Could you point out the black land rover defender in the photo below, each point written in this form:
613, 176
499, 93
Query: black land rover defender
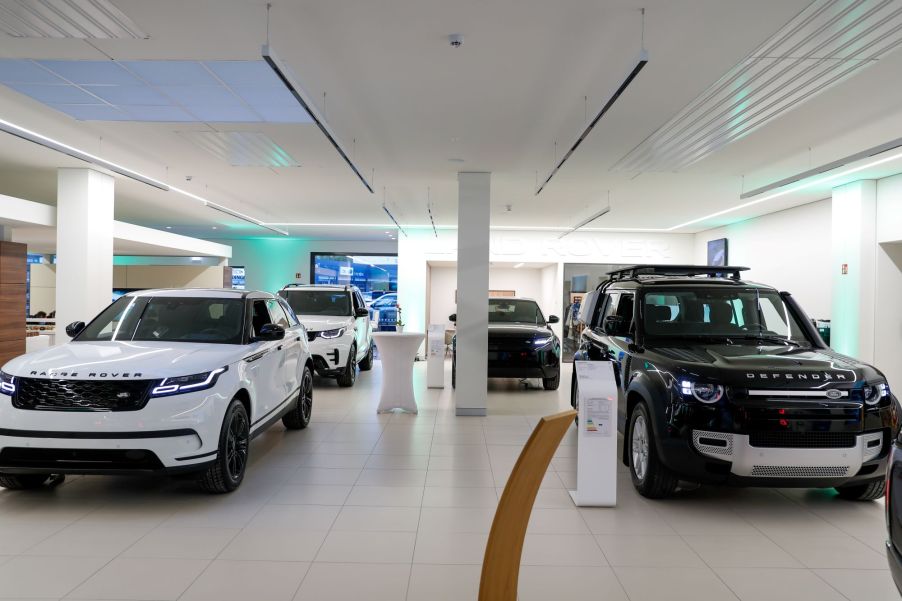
725, 381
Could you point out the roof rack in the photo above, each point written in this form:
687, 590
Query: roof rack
711, 271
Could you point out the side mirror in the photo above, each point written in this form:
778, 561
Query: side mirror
616, 325
453, 318
553, 319
361, 312
75, 328
269, 332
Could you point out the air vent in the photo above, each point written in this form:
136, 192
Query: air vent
241, 148
799, 471
82, 19
823, 45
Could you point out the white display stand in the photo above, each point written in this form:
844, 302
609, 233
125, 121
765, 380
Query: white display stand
435, 356
596, 451
397, 351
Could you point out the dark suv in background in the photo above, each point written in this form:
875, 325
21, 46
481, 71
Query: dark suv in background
725, 381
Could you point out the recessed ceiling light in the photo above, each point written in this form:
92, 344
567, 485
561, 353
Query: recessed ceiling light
168, 227
518, 265
215, 228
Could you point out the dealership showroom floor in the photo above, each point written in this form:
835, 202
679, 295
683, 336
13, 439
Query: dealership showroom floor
399, 506
247, 248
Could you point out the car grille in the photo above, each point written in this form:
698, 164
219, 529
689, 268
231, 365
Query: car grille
800, 471
79, 459
803, 440
81, 395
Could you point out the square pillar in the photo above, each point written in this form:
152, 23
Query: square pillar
854, 269
473, 219
84, 246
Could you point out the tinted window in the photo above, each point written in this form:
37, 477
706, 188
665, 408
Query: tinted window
319, 302
607, 308
388, 300
259, 317
170, 319
515, 311
720, 312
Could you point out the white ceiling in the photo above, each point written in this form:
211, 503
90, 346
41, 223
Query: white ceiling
526, 77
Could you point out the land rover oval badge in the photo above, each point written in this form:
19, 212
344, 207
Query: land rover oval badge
834, 394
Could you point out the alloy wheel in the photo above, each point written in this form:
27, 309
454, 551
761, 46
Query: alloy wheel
237, 443
306, 395
639, 447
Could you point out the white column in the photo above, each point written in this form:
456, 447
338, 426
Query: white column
854, 265
84, 246
473, 218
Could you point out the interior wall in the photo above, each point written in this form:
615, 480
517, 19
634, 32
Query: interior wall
42, 288
271, 263
789, 250
527, 282
887, 313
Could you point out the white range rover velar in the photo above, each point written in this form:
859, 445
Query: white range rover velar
338, 328
174, 381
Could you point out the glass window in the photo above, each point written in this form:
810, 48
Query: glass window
514, 311
374, 275
170, 319
259, 317
730, 313
318, 302
607, 308
292, 318
277, 313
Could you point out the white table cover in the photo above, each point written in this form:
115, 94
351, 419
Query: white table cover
397, 351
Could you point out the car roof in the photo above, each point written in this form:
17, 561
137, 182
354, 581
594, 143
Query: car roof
683, 282
201, 293
335, 287
512, 298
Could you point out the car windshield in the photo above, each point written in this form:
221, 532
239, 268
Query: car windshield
388, 300
734, 314
319, 302
515, 311
169, 319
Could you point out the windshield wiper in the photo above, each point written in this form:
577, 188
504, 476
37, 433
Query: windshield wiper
776, 339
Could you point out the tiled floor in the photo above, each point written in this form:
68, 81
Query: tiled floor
395, 507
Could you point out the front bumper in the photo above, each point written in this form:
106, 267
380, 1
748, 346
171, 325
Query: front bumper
330, 355
520, 363
174, 433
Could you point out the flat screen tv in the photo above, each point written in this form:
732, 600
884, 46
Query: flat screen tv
579, 283
717, 252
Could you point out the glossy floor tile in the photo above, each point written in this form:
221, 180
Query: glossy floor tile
397, 507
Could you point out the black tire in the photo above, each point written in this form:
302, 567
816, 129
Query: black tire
453, 371
552, 383
367, 363
299, 416
869, 491
650, 477
23, 481
226, 472
348, 375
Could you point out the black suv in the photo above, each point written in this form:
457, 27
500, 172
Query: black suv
725, 381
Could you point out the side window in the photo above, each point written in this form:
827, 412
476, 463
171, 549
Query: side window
625, 307
289, 312
259, 317
606, 308
358, 301
277, 313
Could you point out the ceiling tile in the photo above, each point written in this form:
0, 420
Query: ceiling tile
130, 95
92, 112
171, 73
244, 73
54, 94
283, 113
269, 95
92, 72
170, 114
25, 71
224, 114
201, 96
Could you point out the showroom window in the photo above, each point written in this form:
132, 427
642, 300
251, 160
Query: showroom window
375, 275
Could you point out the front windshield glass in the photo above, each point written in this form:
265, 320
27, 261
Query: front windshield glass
515, 311
169, 319
319, 302
734, 314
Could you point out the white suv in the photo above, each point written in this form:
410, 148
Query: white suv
161, 380
338, 328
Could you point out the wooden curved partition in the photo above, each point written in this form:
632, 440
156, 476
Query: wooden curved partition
501, 565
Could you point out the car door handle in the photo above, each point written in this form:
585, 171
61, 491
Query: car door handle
279, 348
298, 338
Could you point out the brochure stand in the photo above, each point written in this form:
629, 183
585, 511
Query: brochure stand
435, 356
596, 451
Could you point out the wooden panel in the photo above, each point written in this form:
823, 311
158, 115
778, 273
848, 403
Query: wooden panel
12, 263
12, 312
10, 349
501, 564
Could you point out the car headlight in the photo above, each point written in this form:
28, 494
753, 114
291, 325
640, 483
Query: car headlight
874, 393
192, 383
7, 384
702, 391
542, 341
329, 334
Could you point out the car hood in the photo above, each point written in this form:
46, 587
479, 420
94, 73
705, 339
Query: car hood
517, 330
125, 360
767, 365
316, 323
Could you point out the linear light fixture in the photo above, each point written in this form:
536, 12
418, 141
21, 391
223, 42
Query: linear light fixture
395, 221
641, 61
281, 70
824, 44
81, 155
31, 136
80, 19
587, 221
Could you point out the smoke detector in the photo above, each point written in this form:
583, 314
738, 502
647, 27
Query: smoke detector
456, 40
